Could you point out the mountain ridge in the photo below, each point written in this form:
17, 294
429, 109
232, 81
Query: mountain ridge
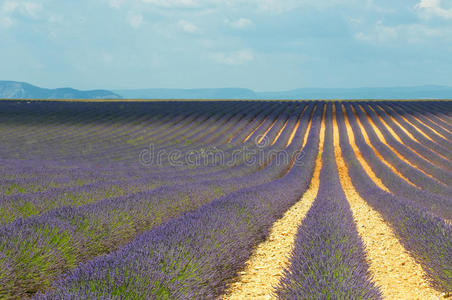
23, 90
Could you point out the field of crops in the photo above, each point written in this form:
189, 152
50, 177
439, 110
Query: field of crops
226, 199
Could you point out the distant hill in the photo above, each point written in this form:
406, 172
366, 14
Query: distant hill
22, 90
222, 93
416, 92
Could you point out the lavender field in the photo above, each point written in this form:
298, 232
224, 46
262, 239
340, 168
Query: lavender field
225, 199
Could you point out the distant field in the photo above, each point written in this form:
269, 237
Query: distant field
147, 199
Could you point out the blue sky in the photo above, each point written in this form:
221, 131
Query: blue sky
259, 44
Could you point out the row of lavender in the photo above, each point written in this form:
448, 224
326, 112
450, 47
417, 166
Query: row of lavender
76, 234
193, 256
140, 270
427, 236
42, 201
328, 260
100, 226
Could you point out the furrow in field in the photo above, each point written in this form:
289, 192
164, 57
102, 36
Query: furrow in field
265, 268
99, 192
435, 124
393, 133
413, 144
385, 142
360, 158
243, 217
437, 116
427, 238
123, 218
254, 130
386, 110
293, 132
415, 175
418, 130
424, 122
437, 204
377, 153
434, 142
393, 269
328, 260
279, 133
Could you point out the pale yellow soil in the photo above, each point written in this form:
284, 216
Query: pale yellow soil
362, 161
290, 141
280, 132
305, 138
266, 131
265, 268
409, 134
254, 130
393, 269
294, 130
377, 153
383, 140
428, 126
392, 132
445, 119
414, 126
293, 133
400, 126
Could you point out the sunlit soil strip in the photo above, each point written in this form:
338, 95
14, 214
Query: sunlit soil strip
392, 132
428, 126
409, 134
362, 161
383, 140
377, 153
268, 129
295, 129
414, 126
265, 268
253, 131
393, 269
443, 118
239, 131
285, 124
305, 138
293, 132
280, 132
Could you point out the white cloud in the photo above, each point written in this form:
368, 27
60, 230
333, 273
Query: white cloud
10, 10
233, 58
31, 9
431, 8
135, 20
116, 3
107, 58
411, 33
380, 34
240, 23
6, 22
9, 6
188, 27
173, 3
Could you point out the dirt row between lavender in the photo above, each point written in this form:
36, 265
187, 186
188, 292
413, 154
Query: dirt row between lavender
265, 268
392, 267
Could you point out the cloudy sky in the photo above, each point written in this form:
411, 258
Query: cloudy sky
259, 44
